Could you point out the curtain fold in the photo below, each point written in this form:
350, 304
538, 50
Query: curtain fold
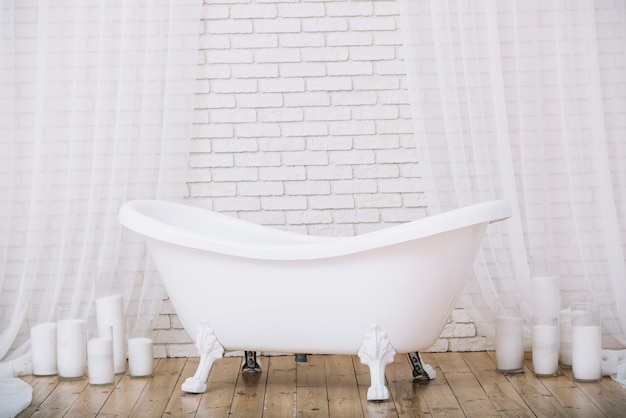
96, 108
525, 102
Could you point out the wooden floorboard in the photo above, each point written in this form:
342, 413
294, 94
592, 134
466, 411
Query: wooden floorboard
466, 385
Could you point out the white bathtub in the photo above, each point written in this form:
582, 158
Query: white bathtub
237, 285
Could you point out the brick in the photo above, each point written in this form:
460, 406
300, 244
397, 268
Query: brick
470, 344
259, 100
304, 40
260, 188
279, 25
253, 10
349, 68
350, 39
354, 186
243, 71
257, 159
372, 23
309, 187
284, 202
326, 24
281, 85
336, 83
282, 173
327, 113
280, 115
235, 174
234, 86
302, 69
300, 9
331, 202
308, 217
379, 200
234, 145
277, 55
349, 8
239, 203
306, 99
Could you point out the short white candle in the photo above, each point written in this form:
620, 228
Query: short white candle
586, 352
545, 348
100, 361
140, 358
71, 348
43, 343
110, 312
509, 344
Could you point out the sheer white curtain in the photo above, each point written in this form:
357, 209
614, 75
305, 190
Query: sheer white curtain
96, 108
526, 101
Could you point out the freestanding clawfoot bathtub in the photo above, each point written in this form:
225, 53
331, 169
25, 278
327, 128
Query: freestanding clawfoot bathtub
236, 285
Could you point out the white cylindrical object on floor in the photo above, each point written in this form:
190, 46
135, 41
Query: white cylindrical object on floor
140, 357
586, 343
565, 338
509, 344
71, 349
100, 361
545, 346
110, 312
43, 342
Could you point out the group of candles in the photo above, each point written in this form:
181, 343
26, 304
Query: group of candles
570, 336
68, 349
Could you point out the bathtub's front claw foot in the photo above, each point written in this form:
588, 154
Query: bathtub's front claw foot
250, 365
376, 352
210, 350
421, 372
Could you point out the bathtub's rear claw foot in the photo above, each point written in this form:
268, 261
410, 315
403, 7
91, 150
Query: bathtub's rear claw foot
194, 385
421, 372
376, 351
250, 364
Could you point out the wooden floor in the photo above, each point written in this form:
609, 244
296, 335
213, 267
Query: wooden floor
332, 386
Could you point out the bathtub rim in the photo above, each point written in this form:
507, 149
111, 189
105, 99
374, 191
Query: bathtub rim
133, 216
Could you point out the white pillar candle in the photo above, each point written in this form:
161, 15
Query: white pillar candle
71, 349
100, 361
586, 353
509, 344
43, 343
545, 348
565, 338
140, 358
110, 312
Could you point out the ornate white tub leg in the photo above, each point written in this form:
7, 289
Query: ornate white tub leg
376, 352
210, 350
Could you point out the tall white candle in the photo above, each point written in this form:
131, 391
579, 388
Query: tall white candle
140, 358
565, 338
100, 361
509, 344
545, 349
43, 342
110, 312
71, 348
586, 353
